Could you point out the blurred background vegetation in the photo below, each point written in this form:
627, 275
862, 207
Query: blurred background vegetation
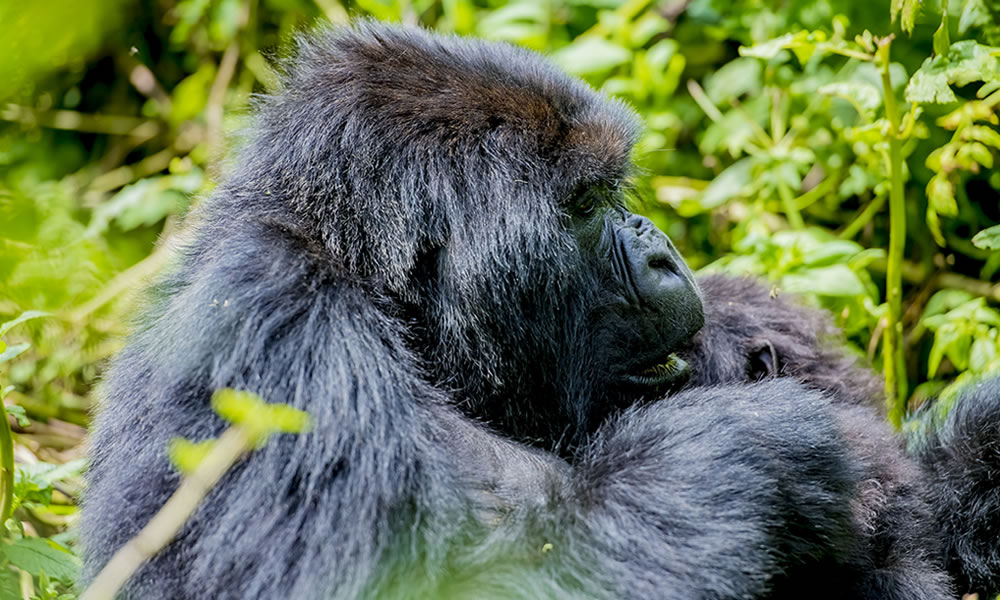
796, 140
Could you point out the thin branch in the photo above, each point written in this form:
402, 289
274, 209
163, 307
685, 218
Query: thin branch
169, 520
78, 121
216, 101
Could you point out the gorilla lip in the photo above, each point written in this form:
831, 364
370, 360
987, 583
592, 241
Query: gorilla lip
660, 373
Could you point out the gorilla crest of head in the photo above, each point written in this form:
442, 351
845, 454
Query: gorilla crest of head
477, 192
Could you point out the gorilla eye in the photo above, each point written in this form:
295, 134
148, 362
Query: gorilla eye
587, 201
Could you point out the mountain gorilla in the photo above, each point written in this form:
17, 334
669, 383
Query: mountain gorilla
425, 246
922, 515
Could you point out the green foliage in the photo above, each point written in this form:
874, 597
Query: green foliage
258, 419
30, 487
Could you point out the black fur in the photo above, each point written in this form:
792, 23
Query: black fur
962, 457
918, 516
751, 332
423, 233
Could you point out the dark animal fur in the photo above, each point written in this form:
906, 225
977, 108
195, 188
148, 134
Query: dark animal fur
917, 516
391, 253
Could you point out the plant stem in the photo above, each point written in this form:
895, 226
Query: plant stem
790, 206
6, 467
168, 521
894, 364
863, 218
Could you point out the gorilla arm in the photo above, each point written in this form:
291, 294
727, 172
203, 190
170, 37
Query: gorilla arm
381, 498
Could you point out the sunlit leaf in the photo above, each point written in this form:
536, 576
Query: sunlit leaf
727, 185
988, 239
25, 316
35, 555
591, 55
187, 455
974, 14
834, 280
965, 62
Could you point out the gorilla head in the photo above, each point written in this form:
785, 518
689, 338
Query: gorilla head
479, 193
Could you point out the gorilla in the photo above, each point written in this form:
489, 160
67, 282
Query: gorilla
927, 514
425, 245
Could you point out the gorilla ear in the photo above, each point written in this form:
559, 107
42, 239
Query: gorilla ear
763, 361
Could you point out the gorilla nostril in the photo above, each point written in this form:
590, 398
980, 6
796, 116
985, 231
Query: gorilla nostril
662, 263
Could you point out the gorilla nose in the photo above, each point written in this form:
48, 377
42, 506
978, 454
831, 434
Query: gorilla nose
660, 278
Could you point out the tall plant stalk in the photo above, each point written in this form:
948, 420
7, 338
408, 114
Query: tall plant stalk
894, 361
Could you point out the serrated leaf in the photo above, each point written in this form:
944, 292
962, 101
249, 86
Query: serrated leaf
35, 555
965, 61
861, 93
988, 239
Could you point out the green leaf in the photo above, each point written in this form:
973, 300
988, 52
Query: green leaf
974, 14
936, 354
859, 93
834, 280
187, 455
965, 62
13, 351
727, 185
191, 94
941, 195
591, 54
974, 151
771, 48
734, 79
260, 418
10, 585
941, 39
14, 410
146, 202
988, 239
944, 301
982, 133
35, 555
983, 352
836, 251
31, 314
907, 10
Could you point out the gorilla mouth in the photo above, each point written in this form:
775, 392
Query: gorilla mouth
658, 374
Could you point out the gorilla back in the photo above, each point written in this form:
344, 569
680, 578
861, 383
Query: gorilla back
425, 233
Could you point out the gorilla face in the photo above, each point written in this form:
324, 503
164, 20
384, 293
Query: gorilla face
649, 301
477, 192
